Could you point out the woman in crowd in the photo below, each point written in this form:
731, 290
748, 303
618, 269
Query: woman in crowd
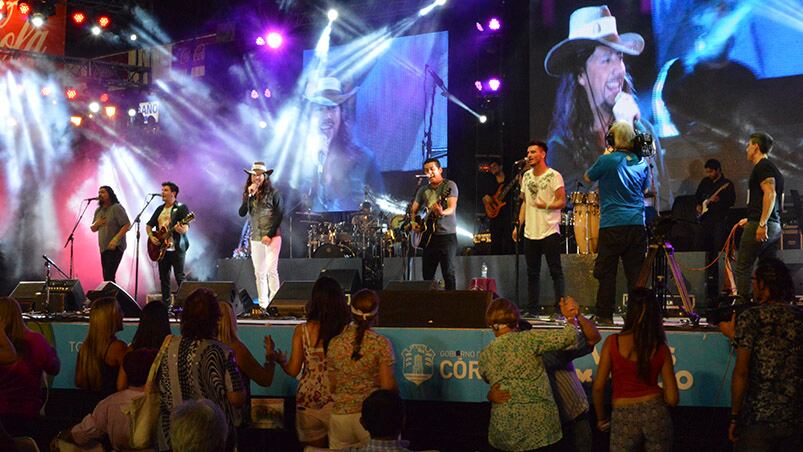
513, 362
634, 359
197, 366
154, 327
250, 369
26, 354
327, 316
101, 353
358, 361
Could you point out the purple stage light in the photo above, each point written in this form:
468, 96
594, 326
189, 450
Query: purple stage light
261, 41
478, 85
479, 27
494, 84
274, 40
254, 94
494, 24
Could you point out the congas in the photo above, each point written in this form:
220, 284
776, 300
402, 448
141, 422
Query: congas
578, 197
592, 198
593, 227
585, 219
328, 251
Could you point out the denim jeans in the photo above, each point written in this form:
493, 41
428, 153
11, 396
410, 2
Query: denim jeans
442, 250
172, 260
749, 251
533, 250
628, 243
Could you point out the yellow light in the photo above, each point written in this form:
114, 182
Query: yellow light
76, 120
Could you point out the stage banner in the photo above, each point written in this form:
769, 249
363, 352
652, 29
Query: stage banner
17, 33
443, 364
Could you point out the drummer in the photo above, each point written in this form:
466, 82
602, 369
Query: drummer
623, 180
543, 196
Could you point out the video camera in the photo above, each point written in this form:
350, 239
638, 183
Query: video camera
726, 307
644, 144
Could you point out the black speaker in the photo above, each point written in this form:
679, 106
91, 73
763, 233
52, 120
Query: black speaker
128, 305
435, 309
348, 278
291, 299
426, 284
65, 295
224, 290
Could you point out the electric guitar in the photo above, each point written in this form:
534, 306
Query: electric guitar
428, 224
493, 204
707, 201
163, 234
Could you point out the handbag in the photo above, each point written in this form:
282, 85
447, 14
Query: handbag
143, 412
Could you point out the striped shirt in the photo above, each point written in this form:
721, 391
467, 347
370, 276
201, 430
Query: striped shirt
569, 393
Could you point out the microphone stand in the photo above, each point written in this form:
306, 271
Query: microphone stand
519, 233
136, 222
71, 239
407, 242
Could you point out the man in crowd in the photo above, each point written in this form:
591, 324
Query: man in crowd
169, 216
715, 195
762, 227
622, 177
543, 196
439, 197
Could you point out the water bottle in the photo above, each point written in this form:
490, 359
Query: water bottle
484, 270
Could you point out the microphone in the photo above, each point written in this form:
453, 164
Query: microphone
421, 176
92, 199
154, 194
520, 162
438, 80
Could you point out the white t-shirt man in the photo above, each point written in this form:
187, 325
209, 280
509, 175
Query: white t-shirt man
540, 223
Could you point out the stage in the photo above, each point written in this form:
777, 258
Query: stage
442, 364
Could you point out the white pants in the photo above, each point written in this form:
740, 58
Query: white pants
345, 430
266, 268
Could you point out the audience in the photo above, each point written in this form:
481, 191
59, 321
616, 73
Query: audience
249, 367
513, 362
101, 353
383, 417
327, 316
108, 422
199, 426
359, 361
634, 359
154, 327
767, 382
26, 355
197, 366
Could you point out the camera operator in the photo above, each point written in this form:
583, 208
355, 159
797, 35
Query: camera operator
767, 382
623, 180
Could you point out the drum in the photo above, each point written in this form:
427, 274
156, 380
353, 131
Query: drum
578, 197
585, 218
328, 251
592, 197
339, 233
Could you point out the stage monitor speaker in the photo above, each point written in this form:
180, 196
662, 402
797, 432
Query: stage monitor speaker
434, 309
426, 284
348, 278
224, 290
65, 295
291, 299
129, 306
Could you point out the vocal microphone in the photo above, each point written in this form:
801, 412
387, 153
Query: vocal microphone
520, 162
421, 176
154, 194
92, 199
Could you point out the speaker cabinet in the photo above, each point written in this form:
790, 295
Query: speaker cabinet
128, 305
224, 290
397, 285
434, 309
65, 295
348, 278
291, 299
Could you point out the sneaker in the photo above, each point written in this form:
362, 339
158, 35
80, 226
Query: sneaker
603, 321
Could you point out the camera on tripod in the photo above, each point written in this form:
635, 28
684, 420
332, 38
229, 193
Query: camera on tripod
726, 307
644, 144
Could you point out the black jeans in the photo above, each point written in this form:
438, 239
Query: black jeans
628, 243
174, 260
442, 250
110, 261
533, 250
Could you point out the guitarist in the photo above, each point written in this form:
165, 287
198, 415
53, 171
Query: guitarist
500, 222
168, 215
718, 193
442, 248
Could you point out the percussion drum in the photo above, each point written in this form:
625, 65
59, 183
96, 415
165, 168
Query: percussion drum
592, 198
578, 197
328, 251
585, 218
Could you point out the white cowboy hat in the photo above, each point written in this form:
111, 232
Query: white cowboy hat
328, 91
590, 26
259, 167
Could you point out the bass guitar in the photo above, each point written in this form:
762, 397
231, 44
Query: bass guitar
163, 234
707, 201
428, 223
493, 204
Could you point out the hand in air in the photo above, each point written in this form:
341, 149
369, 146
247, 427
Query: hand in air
569, 308
626, 108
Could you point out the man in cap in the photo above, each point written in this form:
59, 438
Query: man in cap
346, 170
595, 90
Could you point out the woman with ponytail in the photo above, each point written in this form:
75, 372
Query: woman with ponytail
635, 358
359, 362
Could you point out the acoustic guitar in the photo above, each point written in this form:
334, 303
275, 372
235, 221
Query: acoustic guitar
163, 234
428, 223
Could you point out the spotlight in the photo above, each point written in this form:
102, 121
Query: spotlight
37, 20
494, 84
78, 18
483, 119
254, 94
95, 30
133, 37
263, 124
260, 41
104, 21
478, 85
132, 112
71, 93
46, 91
104, 97
274, 40
24, 8
110, 111
479, 27
94, 107
332, 15
494, 24
267, 92
76, 120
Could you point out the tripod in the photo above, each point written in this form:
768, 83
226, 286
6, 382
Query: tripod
659, 263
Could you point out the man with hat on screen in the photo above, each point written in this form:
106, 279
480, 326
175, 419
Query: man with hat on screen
346, 170
595, 90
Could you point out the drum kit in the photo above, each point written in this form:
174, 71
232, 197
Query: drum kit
365, 234
585, 220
